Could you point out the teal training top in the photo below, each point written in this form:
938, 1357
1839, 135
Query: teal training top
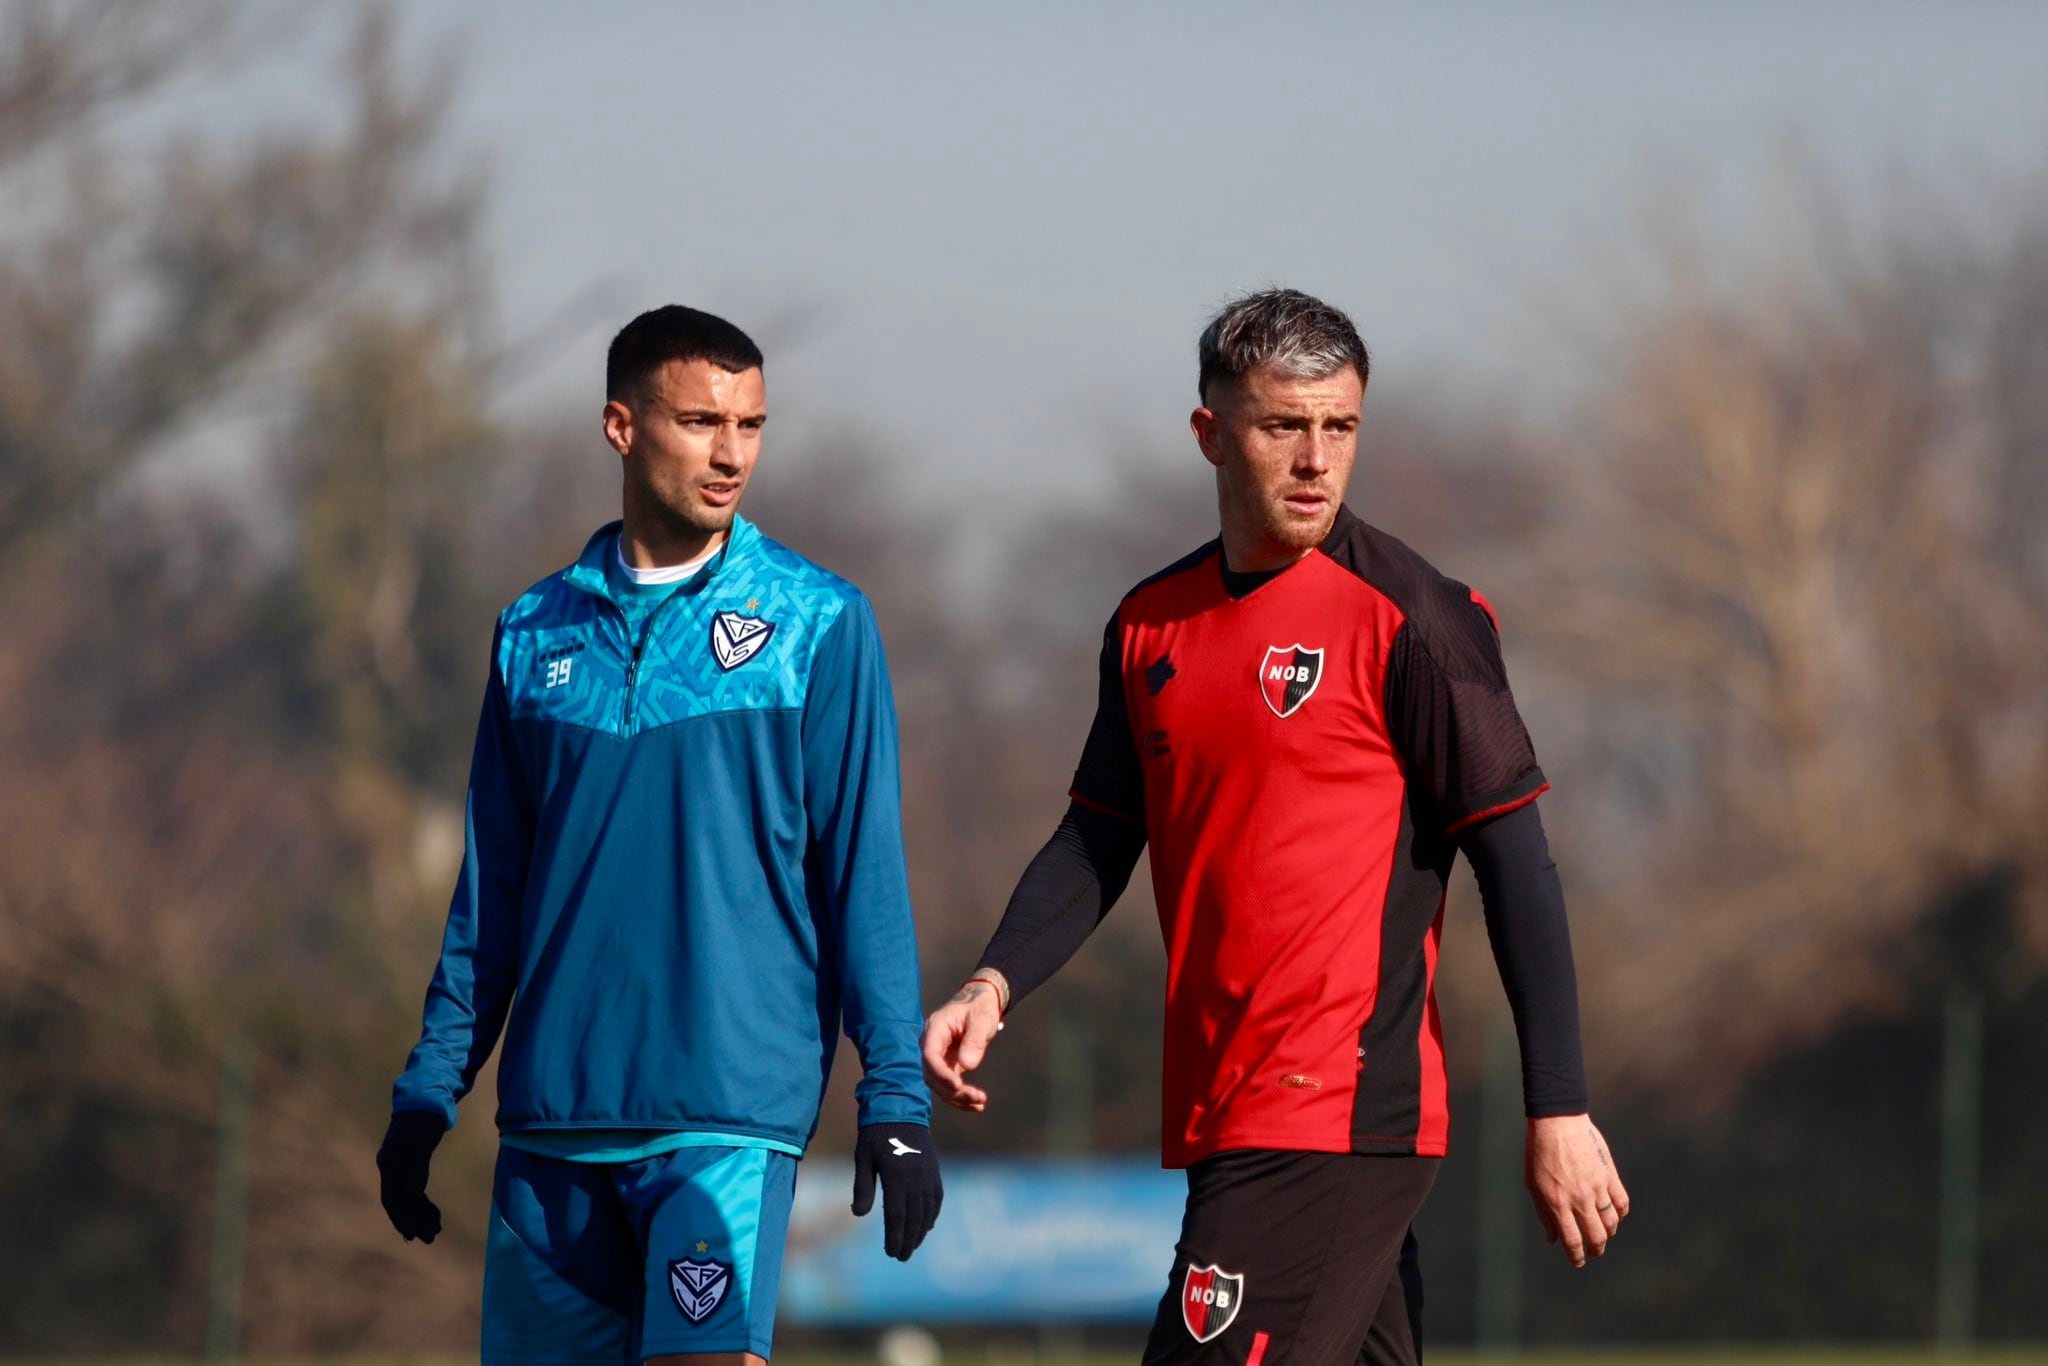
683, 874
637, 601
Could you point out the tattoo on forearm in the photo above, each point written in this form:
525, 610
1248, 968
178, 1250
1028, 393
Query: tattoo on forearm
973, 991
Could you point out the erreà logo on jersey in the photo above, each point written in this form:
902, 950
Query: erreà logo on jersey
736, 639
1288, 675
1209, 1300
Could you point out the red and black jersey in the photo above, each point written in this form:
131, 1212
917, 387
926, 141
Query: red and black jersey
1300, 759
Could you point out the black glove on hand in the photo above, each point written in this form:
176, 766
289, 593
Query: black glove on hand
402, 1164
903, 1156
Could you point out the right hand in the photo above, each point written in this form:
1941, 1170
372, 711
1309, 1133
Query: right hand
956, 1038
402, 1170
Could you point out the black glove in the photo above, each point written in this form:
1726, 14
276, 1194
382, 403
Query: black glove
402, 1163
904, 1157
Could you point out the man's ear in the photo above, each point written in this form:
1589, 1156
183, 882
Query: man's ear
617, 419
1203, 423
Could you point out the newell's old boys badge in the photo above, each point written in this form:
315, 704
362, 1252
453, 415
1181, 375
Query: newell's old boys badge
1209, 1300
699, 1286
736, 639
1288, 675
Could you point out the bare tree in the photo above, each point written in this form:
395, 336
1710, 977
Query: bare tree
1792, 577
212, 754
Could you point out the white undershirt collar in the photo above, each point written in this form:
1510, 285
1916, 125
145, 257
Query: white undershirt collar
660, 574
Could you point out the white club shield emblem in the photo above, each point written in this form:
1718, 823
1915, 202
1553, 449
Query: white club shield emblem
1288, 676
736, 639
699, 1286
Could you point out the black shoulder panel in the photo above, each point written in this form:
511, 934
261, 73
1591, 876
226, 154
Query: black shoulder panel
1445, 616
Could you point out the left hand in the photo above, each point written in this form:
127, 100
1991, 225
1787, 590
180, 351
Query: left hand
402, 1161
908, 1164
1578, 1192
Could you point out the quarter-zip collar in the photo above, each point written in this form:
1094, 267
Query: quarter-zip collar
588, 572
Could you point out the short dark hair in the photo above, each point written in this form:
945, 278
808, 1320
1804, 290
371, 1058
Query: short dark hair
1297, 333
673, 332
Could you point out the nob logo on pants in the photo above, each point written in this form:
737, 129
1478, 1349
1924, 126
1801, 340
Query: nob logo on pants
1209, 1300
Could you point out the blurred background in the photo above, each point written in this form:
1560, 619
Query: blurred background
1711, 342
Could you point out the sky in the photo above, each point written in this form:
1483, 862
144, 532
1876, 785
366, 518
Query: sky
987, 236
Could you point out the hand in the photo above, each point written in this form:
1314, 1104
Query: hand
908, 1163
957, 1036
402, 1166
1578, 1193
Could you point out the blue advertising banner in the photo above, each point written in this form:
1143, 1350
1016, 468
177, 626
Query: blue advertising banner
1038, 1242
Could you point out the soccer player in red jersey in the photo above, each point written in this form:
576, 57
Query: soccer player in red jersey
1307, 723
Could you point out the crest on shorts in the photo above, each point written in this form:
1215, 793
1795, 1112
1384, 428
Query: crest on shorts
1209, 1300
1288, 675
699, 1286
736, 639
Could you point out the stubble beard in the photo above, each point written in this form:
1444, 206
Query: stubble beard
1264, 514
681, 516
691, 518
1284, 528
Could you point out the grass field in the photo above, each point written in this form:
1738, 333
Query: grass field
1591, 1357
1717, 1357
1720, 1356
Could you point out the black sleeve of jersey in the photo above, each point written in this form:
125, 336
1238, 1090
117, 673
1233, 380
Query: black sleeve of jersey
1532, 946
1062, 897
1452, 719
1109, 778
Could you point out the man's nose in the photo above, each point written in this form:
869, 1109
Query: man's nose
1313, 457
725, 451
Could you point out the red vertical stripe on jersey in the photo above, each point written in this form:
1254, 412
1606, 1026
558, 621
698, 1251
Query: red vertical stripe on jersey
1258, 1353
1433, 1132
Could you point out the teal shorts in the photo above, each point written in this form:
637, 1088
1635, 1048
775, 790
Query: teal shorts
613, 1262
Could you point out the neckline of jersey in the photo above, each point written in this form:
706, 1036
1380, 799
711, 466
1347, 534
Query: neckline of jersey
589, 574
1239, 585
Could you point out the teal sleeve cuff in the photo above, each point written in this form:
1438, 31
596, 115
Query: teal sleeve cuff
408, 1095
892, 1089
896, 1109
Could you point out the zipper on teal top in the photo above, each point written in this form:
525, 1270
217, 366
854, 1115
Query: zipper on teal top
646, 634
694, 584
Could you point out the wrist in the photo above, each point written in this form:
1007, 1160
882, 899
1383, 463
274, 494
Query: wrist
1558, 1128
894, 1108
996, 982
419, 1122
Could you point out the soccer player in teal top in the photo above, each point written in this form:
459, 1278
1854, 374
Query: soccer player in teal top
683, 876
